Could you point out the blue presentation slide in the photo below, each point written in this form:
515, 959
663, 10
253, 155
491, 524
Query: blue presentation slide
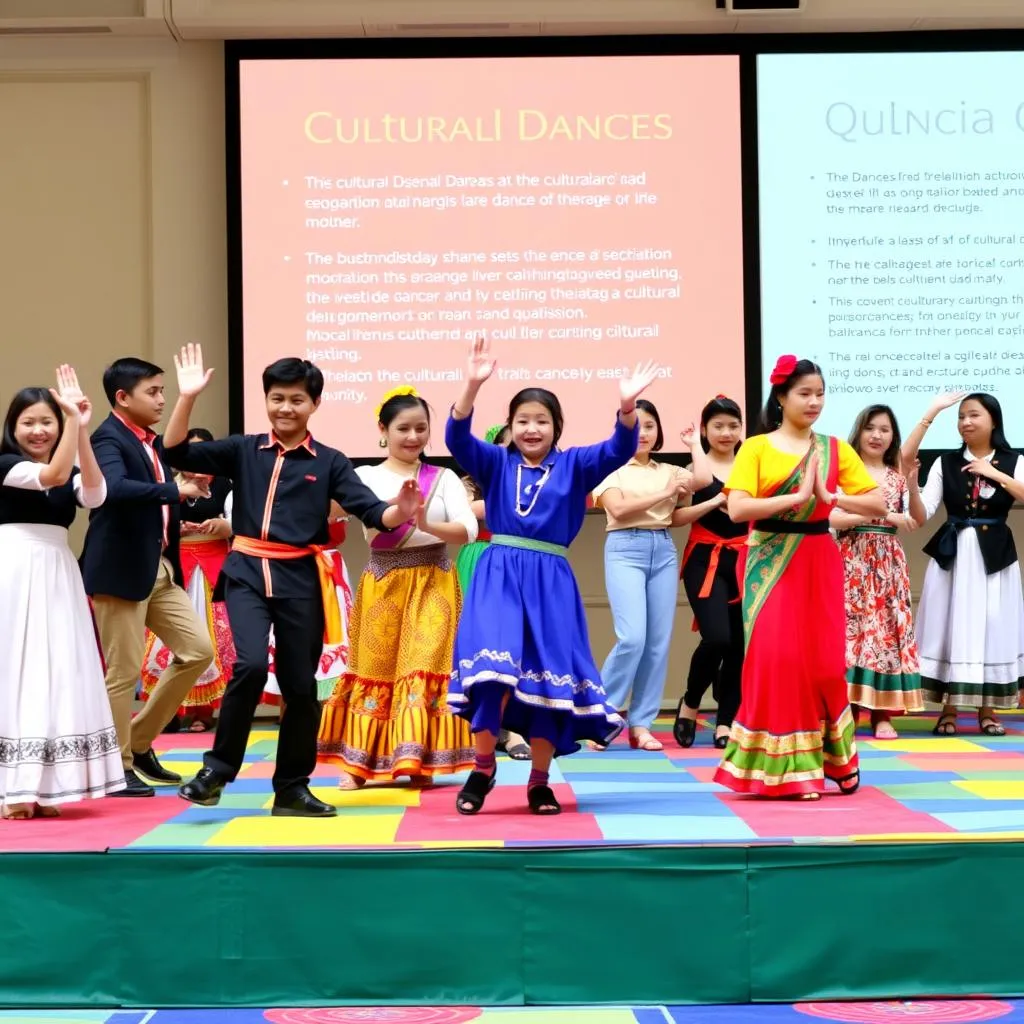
892, 227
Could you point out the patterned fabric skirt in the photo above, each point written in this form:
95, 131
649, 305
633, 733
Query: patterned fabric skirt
57, 739
882, 667
970, 630
201, 561
794, 727
388, 715
333, 658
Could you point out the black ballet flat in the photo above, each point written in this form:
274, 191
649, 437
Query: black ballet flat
474, 792
721, 742
684, 730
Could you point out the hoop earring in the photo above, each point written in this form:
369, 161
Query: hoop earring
383, 442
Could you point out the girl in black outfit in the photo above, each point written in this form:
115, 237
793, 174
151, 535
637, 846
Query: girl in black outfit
709, 576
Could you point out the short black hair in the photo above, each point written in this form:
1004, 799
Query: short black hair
25, 399
292, 370
125, 375
648, 407
198, 434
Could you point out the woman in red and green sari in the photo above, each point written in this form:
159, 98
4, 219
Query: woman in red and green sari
794, 727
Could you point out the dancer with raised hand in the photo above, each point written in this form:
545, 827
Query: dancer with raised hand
794, 727
709, 577
882, 666
57, 739
522, 651
388, 716
279, 571
970, 620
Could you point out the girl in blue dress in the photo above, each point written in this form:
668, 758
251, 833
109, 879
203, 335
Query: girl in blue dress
522, 654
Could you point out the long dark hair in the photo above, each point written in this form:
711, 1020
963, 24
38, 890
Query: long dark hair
991, 405
648, 407
543, 397
23, 400
771, 415
891, 457
718, 406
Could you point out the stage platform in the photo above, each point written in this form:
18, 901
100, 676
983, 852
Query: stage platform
913, 1012
655, 887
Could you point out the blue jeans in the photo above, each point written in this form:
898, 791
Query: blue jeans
641, 571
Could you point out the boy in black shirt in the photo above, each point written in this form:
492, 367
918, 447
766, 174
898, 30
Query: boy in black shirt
283, 483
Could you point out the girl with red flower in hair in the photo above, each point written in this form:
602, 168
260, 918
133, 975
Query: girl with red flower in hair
882, 666
794, 726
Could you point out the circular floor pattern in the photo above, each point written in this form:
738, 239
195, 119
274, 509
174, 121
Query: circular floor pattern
375, 1015
937, 1011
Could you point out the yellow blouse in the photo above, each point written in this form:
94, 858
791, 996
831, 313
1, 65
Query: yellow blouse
634, 480
760, 467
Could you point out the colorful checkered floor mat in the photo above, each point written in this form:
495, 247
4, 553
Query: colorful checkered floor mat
913, 1012
918, 787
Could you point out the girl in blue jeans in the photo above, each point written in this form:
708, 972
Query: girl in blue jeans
641, 567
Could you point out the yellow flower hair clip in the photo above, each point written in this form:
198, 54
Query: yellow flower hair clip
395, 393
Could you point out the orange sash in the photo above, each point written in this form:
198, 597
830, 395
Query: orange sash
702, 535
326, 568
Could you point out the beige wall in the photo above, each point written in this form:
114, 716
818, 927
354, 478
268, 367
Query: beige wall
112, 210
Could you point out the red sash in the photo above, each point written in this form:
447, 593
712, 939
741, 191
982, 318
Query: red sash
702, 535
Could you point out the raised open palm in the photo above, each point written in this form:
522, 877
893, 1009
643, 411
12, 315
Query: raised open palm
70, 394
644, 375
481, 362
192, 377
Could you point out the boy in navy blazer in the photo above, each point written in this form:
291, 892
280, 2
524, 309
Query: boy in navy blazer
132, 571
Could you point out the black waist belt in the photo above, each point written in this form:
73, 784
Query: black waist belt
791, 526
970, 522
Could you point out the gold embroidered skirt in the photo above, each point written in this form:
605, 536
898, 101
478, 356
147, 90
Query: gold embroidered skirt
388, 715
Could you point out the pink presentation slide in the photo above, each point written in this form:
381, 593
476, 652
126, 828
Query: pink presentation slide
583, 213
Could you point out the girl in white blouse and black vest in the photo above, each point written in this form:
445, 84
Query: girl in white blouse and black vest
970, 624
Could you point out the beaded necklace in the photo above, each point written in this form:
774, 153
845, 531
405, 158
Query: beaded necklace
520, 511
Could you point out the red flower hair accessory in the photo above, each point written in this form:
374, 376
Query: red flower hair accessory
783, 369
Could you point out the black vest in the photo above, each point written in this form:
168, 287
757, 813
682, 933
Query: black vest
987, 516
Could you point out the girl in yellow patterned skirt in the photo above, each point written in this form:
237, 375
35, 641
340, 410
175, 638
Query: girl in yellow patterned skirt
388, 715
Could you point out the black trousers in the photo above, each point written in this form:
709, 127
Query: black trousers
718, 660
298, 633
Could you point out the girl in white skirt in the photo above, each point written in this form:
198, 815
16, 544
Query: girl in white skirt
970, 624
57, 739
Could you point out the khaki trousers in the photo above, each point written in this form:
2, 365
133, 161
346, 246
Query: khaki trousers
122, 625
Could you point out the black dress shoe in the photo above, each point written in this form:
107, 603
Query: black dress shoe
300, 803
147, 765
134, 786
205, 789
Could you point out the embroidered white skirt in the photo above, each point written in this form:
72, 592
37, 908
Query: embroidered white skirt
57, 738
970, 631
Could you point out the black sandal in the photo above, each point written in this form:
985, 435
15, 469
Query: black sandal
684, 730
542, 800
946, 719
519, 752
990, 726
849, 784
474, 792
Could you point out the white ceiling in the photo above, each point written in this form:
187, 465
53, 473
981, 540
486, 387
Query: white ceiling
255, 19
